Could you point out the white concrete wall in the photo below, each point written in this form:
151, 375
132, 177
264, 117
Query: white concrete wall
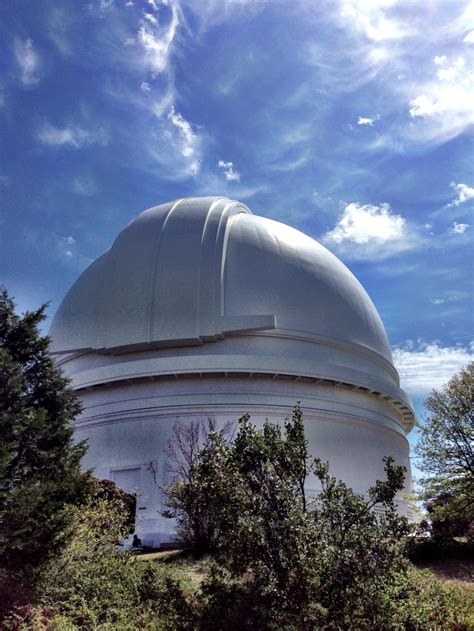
128, 426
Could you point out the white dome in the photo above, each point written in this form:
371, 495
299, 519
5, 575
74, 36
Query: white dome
191, 270
198, 270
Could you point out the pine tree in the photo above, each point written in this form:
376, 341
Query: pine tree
40, 477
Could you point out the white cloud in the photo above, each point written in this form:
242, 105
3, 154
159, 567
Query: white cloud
444, 107
368, 232
156, 41
175, 146
104, 5
188, 137
424, 106
437, 301
469, 39
162, 103
72, 135
65, 246
367, 121
454, 71
150, 18
145, 87
231, 175
372, 19
464, 193
459, 228
424, 366
28, 61
285, 166
84, 186
386, 42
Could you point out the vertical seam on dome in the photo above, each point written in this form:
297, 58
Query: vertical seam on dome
240, 209
218, 201
151, 311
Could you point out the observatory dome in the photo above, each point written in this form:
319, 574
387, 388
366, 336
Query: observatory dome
192, 269
202, 308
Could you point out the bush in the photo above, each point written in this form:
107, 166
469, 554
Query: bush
282, 561
416, 600
291, 562
93, 586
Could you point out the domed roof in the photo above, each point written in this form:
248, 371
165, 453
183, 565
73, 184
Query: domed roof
190, 271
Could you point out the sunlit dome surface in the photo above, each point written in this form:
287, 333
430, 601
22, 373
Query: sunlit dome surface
190, 270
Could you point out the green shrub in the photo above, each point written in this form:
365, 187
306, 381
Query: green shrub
417, 600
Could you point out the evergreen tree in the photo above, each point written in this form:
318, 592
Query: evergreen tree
40, 477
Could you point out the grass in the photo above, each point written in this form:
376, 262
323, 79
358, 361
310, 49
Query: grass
186, 566
459, 571
455, 569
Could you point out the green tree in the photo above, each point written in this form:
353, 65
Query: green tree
286, 559
194, 515
40, 477
446, 455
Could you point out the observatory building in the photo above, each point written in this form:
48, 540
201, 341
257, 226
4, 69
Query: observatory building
201, 309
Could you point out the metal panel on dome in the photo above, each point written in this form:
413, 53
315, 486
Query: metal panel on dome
159, 285
282, 271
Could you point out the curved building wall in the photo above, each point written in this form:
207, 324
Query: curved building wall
128, 426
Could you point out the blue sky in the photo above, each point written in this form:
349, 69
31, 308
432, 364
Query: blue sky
351, 121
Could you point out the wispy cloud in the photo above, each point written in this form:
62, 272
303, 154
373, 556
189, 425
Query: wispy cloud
85, 186
67, 246
392, 44
372, 19
445, 105
28, 61
187, 140
172, 144
71, 135
464, 194
459, 228
231, 175
366, 231
362, 120
60, 248
427, 365
155, 40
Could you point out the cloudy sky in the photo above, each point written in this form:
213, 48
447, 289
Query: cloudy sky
350, 120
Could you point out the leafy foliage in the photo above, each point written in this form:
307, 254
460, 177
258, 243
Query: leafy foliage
94, 585
40, 478
304, 561
446, 452
194, 516
281, 560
